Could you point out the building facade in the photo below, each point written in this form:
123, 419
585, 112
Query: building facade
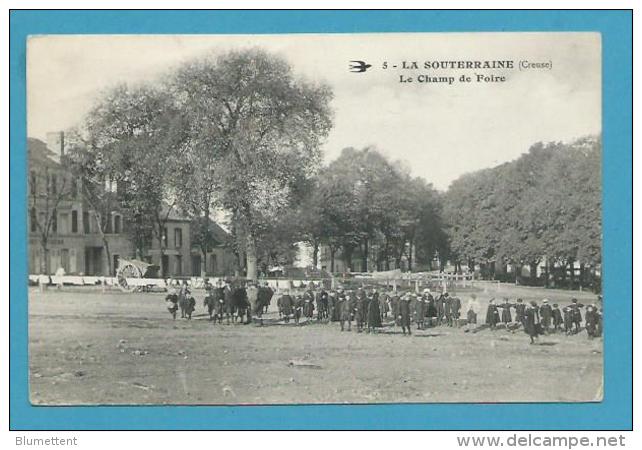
64, 231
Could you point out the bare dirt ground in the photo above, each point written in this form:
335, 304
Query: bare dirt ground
86, 347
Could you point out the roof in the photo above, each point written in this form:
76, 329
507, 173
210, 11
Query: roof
39, 153
173, 215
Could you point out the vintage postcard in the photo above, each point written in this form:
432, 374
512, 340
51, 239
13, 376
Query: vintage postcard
315, 218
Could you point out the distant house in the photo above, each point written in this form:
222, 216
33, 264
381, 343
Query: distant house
219, 260
57, 210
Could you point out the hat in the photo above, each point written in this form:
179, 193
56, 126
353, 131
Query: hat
426, 290
545, 300
519, 300
555, 305
574, 300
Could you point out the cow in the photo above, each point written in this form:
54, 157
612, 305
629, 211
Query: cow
285, 304
241, 305
215, 301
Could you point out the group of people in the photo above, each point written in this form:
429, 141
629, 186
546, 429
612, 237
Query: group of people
545, 318
369, 309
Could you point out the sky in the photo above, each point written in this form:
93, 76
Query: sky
440, 131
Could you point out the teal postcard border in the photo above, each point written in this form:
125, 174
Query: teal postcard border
613, 413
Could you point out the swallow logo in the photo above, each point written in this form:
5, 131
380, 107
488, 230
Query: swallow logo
359, 66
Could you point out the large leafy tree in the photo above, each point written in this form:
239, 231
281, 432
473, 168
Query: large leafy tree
265, 128
125, 151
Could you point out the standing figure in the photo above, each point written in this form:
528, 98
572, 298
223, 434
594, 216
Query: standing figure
332, 306
492, 314
420, 311
384, 305
308, 304
591, 321
576, 314
439, 306
520, 309
557, 318
455, 310
404, 313
361, 309
448, 309
344, 307
184, 301
532, 327
172, 298
431, 309
374, 313
228, 299
285, 303
546, 314
506, 315
322, 305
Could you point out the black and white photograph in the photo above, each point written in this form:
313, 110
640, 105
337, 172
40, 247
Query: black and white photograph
315, 218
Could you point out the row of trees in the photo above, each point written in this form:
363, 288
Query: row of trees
363, 201
544, 206
240, 133
237, 132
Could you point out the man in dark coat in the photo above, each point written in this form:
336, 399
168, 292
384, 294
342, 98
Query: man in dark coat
420, 311
576, 314
404, 313
592, 319
506, 315
546, 314
455, 310
333, 315
228, 300
285, 304
532, 322
374, 313
557, 317
322, 305
520, 309
361, 309
308, 304
448, 309
492, 314
431, 310
344, 307
439, 305
241, 304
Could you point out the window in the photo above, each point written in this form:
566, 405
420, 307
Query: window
178, 237
54, 184
33, 183
63, 223
74, 221
117, 224
213, 264
85, 222
108, 225
33, 220
179, 265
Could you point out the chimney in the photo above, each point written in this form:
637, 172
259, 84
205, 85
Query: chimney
56, 142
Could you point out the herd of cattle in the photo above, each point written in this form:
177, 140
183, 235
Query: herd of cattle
369, 308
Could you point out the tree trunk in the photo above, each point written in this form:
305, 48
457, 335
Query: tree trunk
315, 254
581, 279
533, 270
252, 260
108, 256
410, 256
203, 262
571, 265
44, 262
364, 256
332, 252
547, 272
